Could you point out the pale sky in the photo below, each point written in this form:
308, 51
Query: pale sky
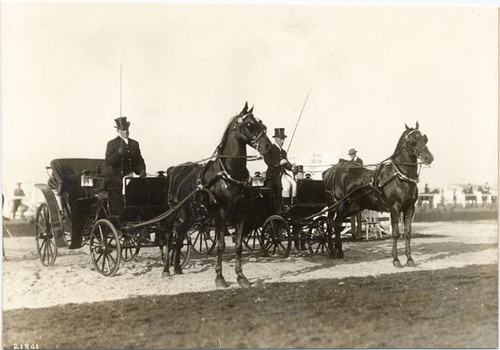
188, 68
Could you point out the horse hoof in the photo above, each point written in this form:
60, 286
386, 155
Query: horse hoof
397, 264
243, 282
221, 283
178, 271
411, 263
165, 274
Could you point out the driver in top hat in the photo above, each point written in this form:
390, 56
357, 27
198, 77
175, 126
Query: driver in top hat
277, 166
123, 157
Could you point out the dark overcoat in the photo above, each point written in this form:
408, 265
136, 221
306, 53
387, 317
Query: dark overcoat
119, 165
274, 169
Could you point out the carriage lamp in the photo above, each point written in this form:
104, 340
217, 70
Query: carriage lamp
86, 180
257, 180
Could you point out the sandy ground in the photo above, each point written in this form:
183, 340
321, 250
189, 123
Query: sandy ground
27, 284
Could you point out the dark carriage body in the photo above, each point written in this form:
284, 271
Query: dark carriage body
83, 203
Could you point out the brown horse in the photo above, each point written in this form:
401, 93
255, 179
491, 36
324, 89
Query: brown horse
217, 191
391, 187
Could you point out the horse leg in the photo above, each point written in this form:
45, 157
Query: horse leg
179, 242
329, 224
220, 228
168, 245
408, 218
395, 236
337, 251
242, 228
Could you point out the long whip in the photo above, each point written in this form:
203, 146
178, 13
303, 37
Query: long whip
298, 120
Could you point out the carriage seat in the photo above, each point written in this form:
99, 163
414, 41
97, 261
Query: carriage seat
145, 197
66, 173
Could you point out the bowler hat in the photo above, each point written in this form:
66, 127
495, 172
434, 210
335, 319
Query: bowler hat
352, 151
279, 132
122, 123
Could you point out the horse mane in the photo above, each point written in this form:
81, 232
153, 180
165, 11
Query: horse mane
227, 130
401, 141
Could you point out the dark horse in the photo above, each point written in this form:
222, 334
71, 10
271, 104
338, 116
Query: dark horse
391, 187
217, 191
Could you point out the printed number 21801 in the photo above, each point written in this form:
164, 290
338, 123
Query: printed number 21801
25, 346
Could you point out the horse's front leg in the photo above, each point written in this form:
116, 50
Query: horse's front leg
220, 229
408, 218
166, 255
395, 236
335, 221
240, 229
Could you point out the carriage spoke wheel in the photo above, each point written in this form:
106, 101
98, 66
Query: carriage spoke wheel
203, 239
318, 237
185, 251
105, 248
252, 241
44, 235
129, 247
276, 238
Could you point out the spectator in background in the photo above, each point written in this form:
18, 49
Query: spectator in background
17, 202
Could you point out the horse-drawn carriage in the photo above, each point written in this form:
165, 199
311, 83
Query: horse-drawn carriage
76, 211
201, 200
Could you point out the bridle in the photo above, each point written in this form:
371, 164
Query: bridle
242, 126
409, 143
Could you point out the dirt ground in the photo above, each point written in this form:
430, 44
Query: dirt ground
450, 300
450, 308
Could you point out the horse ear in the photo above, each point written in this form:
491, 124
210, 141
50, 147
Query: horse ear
407, 128
416, 126
251, 110
245, 108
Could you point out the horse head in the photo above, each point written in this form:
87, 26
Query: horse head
416, 142
252, 130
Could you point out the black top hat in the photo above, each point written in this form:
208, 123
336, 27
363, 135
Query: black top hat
279, 132
122, 123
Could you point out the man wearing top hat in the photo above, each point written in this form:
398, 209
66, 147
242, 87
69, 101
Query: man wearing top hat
356, 231
277, 166
123, 157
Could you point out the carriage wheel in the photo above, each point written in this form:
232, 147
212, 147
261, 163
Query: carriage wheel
276, 238
252, 241
203, 239
185, 252
129, 247
44, 235
105, 248
318, 237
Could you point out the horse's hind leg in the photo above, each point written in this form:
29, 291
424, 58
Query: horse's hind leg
220, 229
395, 236
336, 251
241, 229
408, 218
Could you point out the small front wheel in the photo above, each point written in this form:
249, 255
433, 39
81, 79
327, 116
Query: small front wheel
252, 241
276, 238
105, 248
318, 237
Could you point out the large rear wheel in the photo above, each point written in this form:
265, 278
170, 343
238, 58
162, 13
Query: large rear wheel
44, 236
276, 238
105, 248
